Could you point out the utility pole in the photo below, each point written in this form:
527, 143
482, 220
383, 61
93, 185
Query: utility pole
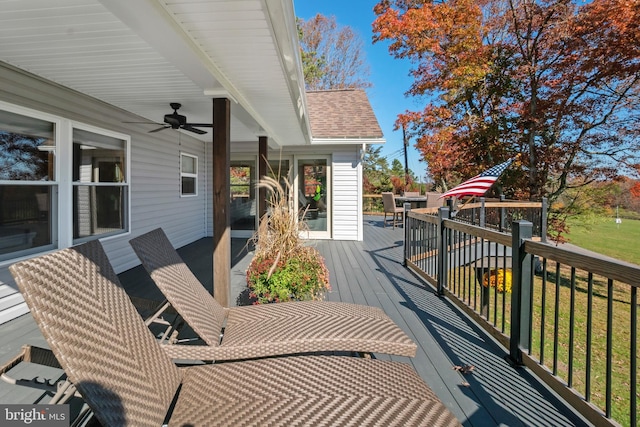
406, 161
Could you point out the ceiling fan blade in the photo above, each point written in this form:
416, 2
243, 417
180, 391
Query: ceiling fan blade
145, 123
159, 129
192, 129
200, 125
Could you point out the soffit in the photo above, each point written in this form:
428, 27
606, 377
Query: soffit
141, 55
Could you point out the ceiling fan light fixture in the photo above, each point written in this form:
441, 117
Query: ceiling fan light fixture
178, 121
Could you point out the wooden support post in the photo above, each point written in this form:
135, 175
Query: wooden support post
503, 214
520, 291
221, 200
262, 171
543, 220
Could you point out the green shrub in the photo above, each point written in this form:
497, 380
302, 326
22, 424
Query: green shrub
300, 278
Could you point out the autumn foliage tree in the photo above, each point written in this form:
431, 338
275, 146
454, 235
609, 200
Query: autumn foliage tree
333, 56
552, 80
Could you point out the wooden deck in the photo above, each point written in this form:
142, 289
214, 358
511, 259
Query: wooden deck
371, 272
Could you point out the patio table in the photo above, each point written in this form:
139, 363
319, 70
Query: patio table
416, 202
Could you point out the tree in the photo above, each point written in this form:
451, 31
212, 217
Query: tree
20, 158
313, 63
397, 169
375, 170
333, 56
555, 82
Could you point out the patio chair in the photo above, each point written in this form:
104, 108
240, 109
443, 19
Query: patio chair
120, 370
389, 203
262, 330
411, 194
434, 199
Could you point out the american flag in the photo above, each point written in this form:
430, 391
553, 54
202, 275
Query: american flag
480, 184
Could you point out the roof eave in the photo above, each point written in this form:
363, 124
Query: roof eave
284, 27
348, 141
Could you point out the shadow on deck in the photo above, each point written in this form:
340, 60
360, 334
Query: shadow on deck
371, 272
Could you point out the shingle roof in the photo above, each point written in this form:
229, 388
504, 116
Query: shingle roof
344, 113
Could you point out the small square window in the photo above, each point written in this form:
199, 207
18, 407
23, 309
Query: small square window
188, 175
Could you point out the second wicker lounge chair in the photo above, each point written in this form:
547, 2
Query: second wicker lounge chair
263, 330
120, 370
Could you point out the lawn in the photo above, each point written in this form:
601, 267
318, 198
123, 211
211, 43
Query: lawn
560, 340
603, 235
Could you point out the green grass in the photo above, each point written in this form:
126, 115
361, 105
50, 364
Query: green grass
603, 235
555, 354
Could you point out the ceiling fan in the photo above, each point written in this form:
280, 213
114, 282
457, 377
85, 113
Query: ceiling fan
178, 121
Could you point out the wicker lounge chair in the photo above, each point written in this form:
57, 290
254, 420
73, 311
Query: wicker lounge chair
122, 373
263, 330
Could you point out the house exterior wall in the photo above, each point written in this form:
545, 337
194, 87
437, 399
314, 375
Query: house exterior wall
347, 195
154, 176
154, 181
346, 183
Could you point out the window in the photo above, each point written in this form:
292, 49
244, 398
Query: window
27, 185
99, 185
242, 180
188, 175
60, 184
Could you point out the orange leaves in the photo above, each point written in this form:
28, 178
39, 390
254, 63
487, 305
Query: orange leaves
555, 80
428, 28
635, 190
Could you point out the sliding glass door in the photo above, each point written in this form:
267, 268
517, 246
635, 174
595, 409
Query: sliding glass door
313, 194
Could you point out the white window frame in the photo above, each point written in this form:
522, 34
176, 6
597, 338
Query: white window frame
62, 185
125, 183
189, 175
54, 183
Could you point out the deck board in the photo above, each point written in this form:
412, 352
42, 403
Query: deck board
371, 272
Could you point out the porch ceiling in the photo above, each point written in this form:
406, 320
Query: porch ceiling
141, 55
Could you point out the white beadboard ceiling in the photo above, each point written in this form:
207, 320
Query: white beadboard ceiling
140, 55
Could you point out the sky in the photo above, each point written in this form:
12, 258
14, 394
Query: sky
389, 76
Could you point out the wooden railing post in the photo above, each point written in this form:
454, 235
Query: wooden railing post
443, 249
520, 291
483, 214
407, 234
503, 214
543, 220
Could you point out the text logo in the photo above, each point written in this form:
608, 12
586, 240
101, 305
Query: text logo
34, 415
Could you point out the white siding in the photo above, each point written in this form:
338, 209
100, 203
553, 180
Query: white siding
154, 176
347, 195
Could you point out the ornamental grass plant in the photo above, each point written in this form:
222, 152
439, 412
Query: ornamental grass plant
283, 267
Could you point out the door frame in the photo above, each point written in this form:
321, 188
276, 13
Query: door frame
297, 160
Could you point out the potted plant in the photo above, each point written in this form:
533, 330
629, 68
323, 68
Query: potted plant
500, 279
283, 267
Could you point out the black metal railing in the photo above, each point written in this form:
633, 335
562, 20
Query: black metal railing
567, 314
500, 214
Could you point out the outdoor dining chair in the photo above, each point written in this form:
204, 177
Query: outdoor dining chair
124, 376
389, 205
262, 330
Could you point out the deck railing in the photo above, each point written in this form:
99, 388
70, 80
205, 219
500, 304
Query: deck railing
568, 315
499, 215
